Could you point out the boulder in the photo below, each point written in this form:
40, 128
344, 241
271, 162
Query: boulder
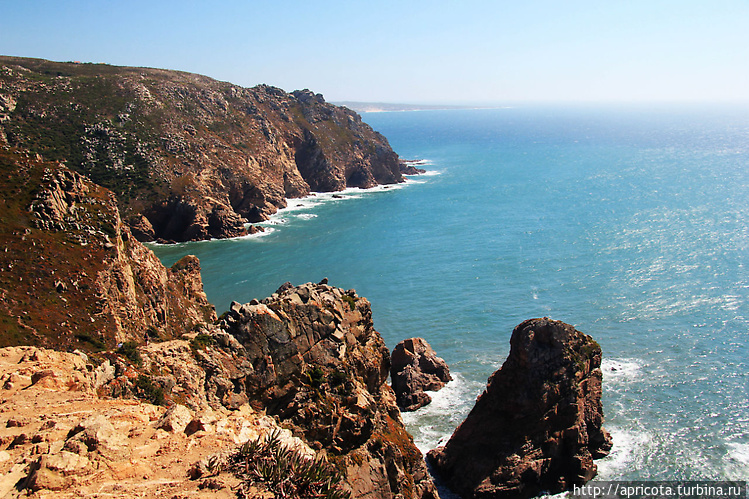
538, 425
175, 419
96, 434
415, 370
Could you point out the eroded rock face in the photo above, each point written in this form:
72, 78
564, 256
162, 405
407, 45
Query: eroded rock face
416, 369
73, 274
538, 425
313, 358
197, 157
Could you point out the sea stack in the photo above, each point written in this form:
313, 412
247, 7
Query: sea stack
538, 425
416, 369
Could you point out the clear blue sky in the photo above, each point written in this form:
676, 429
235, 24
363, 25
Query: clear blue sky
411, 51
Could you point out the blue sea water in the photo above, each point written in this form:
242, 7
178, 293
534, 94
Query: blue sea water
630, 223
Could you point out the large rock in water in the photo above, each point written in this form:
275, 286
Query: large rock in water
538, 425
416, 369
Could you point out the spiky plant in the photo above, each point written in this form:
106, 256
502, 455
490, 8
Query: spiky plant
285, 471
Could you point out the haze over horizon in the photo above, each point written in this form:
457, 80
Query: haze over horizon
440, 52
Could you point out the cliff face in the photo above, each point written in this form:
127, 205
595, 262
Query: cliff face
314, 359
308, 355
188, 157
538, 425
71, 274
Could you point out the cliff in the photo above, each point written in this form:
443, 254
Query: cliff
73, 278
538, 425
188, 157
314, 359
71, 274
85, 149
305, 364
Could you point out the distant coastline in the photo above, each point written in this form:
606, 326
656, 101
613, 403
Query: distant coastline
386, 107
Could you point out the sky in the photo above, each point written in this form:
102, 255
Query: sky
411, 51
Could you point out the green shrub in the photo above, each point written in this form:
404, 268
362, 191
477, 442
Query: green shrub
96, 344
130, 350
284, 471
145, 389
201, 341
351, 302
316, 376
337, 378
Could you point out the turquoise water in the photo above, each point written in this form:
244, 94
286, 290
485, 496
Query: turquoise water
630, 224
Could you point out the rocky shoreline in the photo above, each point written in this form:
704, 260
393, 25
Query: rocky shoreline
188, 157
117, 377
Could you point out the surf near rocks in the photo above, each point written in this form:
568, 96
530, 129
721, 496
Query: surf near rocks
538, 425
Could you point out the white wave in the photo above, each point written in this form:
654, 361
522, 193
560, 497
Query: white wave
630, 450
299, 208
620, 369
430, 173
418, 162
737, 464
257, 235
433, 424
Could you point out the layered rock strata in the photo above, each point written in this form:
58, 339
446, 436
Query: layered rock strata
538, 425
415, 370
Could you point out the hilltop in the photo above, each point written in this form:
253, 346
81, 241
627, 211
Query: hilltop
188, 157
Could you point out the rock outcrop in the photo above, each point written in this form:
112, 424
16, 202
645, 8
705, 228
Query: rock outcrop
72, 275
59, 439
188, 157
538, 425
415, 370
308, 356
313, 358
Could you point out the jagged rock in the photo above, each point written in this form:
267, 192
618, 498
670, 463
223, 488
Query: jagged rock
538, 425
313, 358
103, 374
98, 435
46, 478
223, 223
407, 167
142, 229
109, 288
416, 369
65, 462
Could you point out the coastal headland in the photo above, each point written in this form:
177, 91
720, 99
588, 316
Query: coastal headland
118, 377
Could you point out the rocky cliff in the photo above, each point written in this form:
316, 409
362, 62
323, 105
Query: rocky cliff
313, 358
71, 274
308, 356
188, 157
538, 425
84, 148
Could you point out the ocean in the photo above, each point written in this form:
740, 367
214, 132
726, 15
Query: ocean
629, 222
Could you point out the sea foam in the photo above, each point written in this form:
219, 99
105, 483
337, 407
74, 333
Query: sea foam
433, 424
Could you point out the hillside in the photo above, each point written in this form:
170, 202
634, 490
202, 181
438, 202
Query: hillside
188, 157
71, 274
